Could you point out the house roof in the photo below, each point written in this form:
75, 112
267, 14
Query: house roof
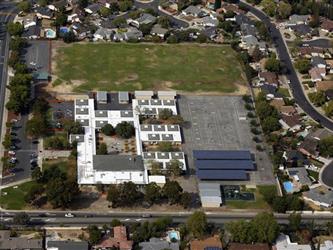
299, 18
248, 29
271, 89
320, 133
316, 60
158, 244
94, 7
68, 245
44, 11
301, 174
242, 18
119, 240
257, 246
301, 29
250, 40
327, 25
309, 50
7, 242
146, 18
320, 194
283, 243
157, 29
192, 10
118, 163
309, 145
277, 103
315, 73
324, 85
291, 120
287, 109
270, 77
208, 243
208, 20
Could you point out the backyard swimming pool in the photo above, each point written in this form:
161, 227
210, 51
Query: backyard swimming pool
288, 186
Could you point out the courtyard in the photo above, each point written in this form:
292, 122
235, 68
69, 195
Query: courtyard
117, 67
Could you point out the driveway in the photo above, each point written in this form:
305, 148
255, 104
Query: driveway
295, 84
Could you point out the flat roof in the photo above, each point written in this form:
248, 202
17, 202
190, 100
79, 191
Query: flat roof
118, 163
77, 138
224, 164
143, 93
222, 154
222, 174
102, 96
123, 96
81, 102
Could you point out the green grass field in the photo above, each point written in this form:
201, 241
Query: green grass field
115, 67
13, 198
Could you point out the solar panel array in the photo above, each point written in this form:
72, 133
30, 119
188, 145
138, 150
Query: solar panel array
223, 164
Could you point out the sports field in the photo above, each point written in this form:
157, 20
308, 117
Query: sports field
115, 67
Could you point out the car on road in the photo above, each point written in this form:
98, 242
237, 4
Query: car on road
13, 160
88, 216
13, 147
69, 215
146, 216
33, 155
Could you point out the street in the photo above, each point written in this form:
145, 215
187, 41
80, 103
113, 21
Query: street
295, 84
51, 218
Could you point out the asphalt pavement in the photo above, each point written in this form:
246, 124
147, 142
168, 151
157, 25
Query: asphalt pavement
284, 56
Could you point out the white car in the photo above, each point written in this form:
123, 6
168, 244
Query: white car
11, 152
69, 215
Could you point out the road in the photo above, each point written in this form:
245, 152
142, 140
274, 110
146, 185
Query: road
284, 56
83, 218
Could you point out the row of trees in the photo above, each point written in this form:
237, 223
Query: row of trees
128, 194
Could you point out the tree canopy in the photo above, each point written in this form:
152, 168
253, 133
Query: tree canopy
197, 224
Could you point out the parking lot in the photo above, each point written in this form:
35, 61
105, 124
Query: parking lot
37, 55
219, 123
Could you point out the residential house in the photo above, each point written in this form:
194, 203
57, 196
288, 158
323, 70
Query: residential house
283, 243
324, 85
291, 123
93, 8
268, 77
102, 34
119, 240
66, 245
27, 21
32, 32
327, 26
297, 19
231, 7
317, 74
329, 63
8, 242
145, 18
302, 30
157, 30
44, 12
248, 42
299, 176
271, 92
80, 30
213, 242
158, 244
133, 34
60, 4
248, 29
105, 3
294, 158
309, 146
193, 11
320, 196
309, 52
255, 246
209, 21
242, 18
211, 33
318, 62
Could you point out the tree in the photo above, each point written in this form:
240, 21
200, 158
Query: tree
197, 224
15, 29
113, 195
172, 191
182, 4
126, 194
164, 22
226, 26
303, 65
73, 127
146, 28
186, 199
24, 6
34, 191
83, 3
61, 192
217, 4
270, 124
284, 9
102, 149
17, 44
60, 19
273, 64
21, 219
14, 58
152, 193
317, 98
95, 234
115, 223
325, 146
37, 126
174, 168
114, 7
119, 22
266, 226
256, 54
69, 37
125, 130
328, 108
125, 5
36, 174
40, 106
202, 38
262, 30
176, 119
155, 168
105, 11
269, 7
7, 142
108, 129
294, 221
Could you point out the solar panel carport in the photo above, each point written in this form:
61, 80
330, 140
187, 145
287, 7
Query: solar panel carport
223, 164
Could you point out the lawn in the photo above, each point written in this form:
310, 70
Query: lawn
128, 67
13, 198
284, 92
258, 203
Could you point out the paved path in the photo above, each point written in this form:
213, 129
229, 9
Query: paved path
284, 56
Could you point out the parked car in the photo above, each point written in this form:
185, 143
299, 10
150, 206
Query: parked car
11, 152
69, 215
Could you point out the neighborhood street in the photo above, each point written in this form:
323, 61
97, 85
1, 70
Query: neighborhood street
295, 84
